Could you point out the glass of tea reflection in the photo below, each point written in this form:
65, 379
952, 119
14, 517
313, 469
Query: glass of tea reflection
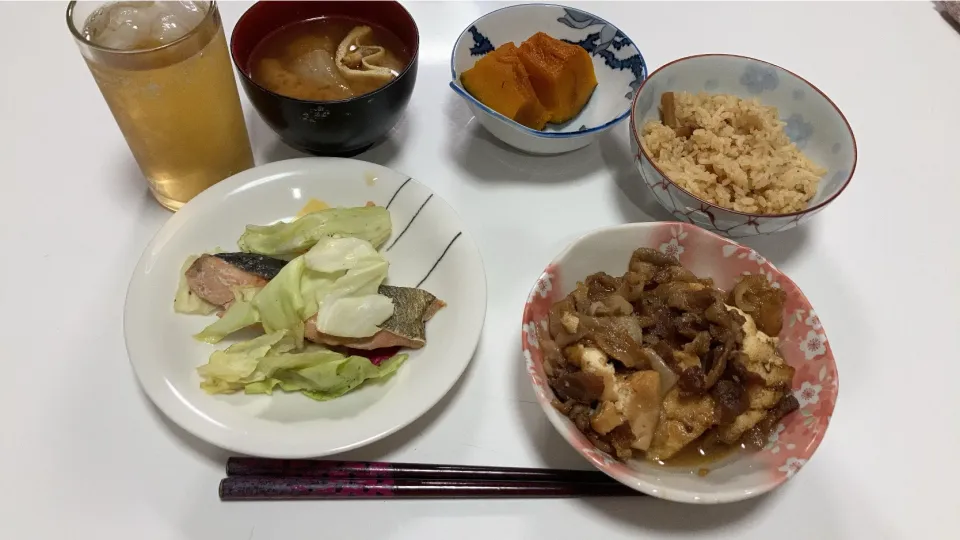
164, 71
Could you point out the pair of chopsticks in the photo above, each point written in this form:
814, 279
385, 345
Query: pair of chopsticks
282, 479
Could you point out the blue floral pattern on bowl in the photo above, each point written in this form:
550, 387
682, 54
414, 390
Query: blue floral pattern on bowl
798, 130
812, 122
618, 64
758, 79
481, 45
599, 44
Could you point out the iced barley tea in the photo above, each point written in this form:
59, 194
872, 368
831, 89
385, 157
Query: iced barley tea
164, 70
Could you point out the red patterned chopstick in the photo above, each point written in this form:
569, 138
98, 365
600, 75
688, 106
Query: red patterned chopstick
275, 479
237, 466
240, 488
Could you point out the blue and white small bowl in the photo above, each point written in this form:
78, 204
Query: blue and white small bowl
813, 122
617, 62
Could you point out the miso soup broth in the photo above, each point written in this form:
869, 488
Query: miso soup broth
327, 59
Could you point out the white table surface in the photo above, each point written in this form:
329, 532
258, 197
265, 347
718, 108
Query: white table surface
83, 453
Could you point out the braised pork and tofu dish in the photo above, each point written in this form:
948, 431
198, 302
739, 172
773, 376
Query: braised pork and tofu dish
658, 363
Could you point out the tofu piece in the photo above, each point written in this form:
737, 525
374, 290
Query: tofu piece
762, 359
682, 419
500, 81
761, 399
731, 433
639, 402
570, 322
773, 372
606, 418
595, 362
561, 73
759, 346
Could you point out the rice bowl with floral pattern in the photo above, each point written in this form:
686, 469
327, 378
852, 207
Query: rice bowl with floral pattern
813, 123
803, 345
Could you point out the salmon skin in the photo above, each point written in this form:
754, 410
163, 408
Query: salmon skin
258, 265
411, 308
213, 277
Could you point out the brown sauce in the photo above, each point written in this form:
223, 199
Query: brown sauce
700, 454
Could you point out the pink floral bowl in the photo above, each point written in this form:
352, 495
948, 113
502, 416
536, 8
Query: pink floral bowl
803, 344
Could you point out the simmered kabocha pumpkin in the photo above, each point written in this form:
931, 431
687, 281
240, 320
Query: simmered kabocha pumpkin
543, 80
561, 73
500, 81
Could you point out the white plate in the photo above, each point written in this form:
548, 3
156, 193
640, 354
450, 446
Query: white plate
428, 235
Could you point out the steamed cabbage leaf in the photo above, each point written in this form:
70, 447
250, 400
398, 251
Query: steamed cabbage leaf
290, 239
353, 316
322, 374
353, 372
351, 305
231, 369
280, 302
331, 255
238, 316
260, 365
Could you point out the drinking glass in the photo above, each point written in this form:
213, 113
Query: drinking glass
164, 71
